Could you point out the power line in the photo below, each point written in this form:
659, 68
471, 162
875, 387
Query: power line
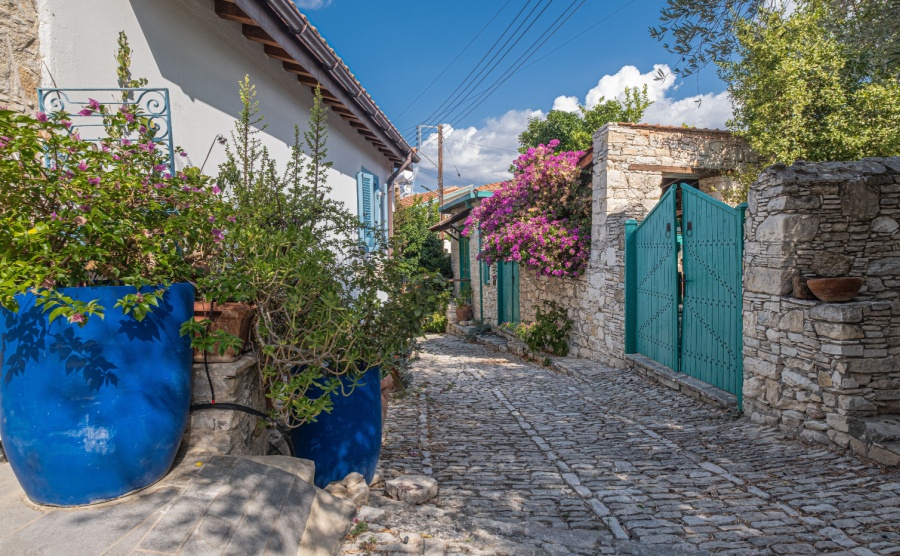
464, 82
535, 47
485, 55
453, 61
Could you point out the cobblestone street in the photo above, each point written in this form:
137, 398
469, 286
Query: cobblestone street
529, 461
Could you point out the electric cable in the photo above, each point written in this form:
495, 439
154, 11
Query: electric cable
453, 61
464, 82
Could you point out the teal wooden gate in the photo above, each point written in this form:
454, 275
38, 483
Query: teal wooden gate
508, 292
712, 324
655, 269
689, 321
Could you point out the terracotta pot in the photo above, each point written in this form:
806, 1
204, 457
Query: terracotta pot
835, 290
464, 312
234, 318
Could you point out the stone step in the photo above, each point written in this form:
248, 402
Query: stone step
880, 429
216, 505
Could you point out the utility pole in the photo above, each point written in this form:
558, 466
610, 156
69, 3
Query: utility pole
440, 166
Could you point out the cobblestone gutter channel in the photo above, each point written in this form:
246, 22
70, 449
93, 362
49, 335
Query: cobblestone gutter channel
530, 461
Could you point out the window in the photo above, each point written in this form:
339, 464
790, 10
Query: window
371, 210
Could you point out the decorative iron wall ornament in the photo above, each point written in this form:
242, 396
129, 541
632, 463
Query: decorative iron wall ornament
152, 103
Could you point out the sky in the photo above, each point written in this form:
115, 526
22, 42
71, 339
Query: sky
426, 62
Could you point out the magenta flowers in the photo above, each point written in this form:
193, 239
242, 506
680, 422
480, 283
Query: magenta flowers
541, 218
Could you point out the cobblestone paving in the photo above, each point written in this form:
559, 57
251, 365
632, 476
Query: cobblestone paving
533, 462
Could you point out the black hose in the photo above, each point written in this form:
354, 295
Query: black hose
238, 407
251, 411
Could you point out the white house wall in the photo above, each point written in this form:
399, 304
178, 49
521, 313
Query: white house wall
182, 45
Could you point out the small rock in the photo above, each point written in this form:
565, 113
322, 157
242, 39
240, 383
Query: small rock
353, 488
415, 489
2, 454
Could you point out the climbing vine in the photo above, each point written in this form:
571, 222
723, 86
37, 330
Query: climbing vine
541, 218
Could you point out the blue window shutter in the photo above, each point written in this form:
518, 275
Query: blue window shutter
365, 193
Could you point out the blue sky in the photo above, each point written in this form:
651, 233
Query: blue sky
398, 47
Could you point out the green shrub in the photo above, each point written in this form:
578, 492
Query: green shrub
549, 333
436, 324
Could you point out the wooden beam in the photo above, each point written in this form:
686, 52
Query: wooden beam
687, 170
292, 67
308, 80
278, 53
357, 124
227, 10
256, 34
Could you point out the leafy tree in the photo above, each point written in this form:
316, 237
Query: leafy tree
701, 32
799, 92
575, 131
417, 246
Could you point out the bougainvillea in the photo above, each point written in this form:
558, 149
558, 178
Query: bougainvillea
541, 218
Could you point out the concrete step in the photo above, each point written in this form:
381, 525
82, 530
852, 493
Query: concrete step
216, 505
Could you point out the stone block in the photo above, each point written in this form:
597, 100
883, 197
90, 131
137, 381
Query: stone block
415, 489
855, 403
859, 200
834, 312
788, 227
817, 437
883, 456
798, 380
792, 321
799, 202
831, 265
761, 368
837, 331
842, 439
770, 281
885, 225
884, 267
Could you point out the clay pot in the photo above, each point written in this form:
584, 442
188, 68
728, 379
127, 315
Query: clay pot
835, 290
464, 312
234, 318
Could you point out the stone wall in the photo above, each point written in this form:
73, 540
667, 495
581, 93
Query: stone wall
225, 431
825, 371
631, 164
20, 71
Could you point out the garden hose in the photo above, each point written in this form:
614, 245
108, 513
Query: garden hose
238, 407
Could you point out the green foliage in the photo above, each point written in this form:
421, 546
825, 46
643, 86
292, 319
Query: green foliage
549, 333
79, 213
415, 245
123, 68
326, 307
465, 294
800, 93
575, 130
437, 324
700, 32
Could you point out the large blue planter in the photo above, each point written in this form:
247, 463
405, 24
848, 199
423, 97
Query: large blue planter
90, 414
349, 438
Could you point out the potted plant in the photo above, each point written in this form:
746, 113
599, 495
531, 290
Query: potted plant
98, 244
464, 310
332, 313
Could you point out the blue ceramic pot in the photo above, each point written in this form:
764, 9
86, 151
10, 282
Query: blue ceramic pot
90, 414
349, 438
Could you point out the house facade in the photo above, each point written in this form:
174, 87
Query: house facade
198, 51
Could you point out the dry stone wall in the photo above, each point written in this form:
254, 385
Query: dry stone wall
631, 163
20, 59
827, 372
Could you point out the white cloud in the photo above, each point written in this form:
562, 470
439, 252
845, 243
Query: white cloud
312, 4
484, 154
566, 104
701, 110
481, 155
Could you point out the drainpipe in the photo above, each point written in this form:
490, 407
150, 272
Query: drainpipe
390, 190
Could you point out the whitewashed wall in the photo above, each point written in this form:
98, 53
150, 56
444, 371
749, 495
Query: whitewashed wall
184, 46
